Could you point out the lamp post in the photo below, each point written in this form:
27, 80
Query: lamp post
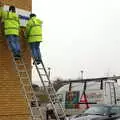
49, 70
81, 74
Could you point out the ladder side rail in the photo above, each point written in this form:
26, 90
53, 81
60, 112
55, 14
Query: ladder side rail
23, 87
45, 74
48, 91
56, 114
114, 92
29, 80
21, 82
54, 92
43, 82
60, 105
48, 77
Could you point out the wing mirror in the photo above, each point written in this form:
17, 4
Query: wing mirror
111, 114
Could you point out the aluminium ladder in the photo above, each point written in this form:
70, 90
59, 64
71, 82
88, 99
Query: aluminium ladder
112, 91
28, 91
26, 84
50, 91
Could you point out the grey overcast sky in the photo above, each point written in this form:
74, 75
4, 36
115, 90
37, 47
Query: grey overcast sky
80, 35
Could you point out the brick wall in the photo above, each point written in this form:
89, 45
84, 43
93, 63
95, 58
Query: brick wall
13, 105
23, 4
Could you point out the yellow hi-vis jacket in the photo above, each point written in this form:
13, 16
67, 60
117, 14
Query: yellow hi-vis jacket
11, 23
34, 30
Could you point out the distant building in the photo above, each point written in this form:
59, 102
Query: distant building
93, 93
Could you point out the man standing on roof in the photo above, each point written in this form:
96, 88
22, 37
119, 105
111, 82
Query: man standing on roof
34, 36
11, 30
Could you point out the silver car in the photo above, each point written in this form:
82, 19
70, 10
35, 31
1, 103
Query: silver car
99, 112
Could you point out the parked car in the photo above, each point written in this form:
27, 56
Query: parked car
99, 112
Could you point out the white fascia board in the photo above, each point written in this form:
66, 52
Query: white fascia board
23, 14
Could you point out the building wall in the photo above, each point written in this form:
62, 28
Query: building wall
23, 4
13, 104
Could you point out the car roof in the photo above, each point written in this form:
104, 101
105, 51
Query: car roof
107, 105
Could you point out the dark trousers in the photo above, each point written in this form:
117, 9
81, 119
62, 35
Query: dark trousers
35, 48
13, 43
50, 113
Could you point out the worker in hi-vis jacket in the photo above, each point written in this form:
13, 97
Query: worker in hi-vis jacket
34, 37
11, 25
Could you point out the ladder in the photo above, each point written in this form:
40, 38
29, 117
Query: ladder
28, 91
112, 91
50, 91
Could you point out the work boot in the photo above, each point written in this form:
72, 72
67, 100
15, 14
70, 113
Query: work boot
17, 57
37, 62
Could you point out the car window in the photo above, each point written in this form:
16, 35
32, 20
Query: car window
115, 109
97, 110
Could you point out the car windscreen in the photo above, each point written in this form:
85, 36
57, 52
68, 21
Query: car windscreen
115, 110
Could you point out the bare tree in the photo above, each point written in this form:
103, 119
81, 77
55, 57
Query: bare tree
58, 83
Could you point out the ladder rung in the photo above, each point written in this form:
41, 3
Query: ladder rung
43, 74
50, 87
52, 95
17, 59
19, 64
45, 81
61, 116
40, 68
52, 92
30, 93
24, 77
27, 85
35, 101
36, 107
23, 71
36, 117
21, 76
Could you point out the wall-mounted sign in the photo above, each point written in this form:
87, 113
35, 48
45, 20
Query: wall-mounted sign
71, 101
23, 14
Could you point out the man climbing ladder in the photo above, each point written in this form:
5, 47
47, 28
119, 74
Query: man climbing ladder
11, 26
34, 37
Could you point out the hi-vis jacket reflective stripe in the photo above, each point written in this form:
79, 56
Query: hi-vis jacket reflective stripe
11, 23
34, 30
